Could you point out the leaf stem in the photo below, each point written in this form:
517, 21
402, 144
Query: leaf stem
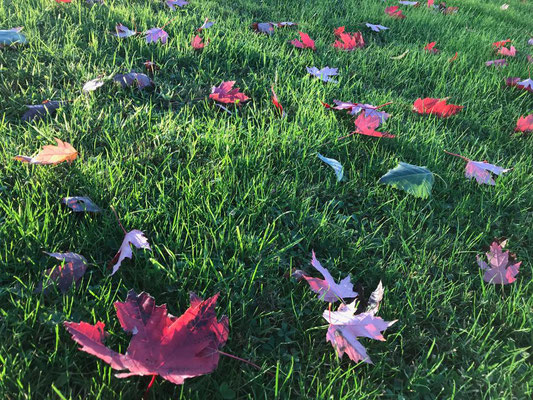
149, 386
118, 220
457, 155
383, 105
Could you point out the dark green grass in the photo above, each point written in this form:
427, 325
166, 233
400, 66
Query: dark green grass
232, 204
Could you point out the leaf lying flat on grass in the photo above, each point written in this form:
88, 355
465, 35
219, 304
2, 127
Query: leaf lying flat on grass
51, 154
80, 204
12, 36
524, 124
323, 74
502, 268
415, 180
141, 80
38, 111
175, 348
71, 271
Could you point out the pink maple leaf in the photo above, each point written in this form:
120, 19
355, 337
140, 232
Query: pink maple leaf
306, 43
123, 31
175, 348
430, 48
510, 52
501, 269
502, 62
394, 12
327, 289
345, 328
525, 124
480, 170
155, 34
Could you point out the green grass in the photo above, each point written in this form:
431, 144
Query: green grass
232, 203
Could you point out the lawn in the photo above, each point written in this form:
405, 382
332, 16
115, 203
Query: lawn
234, 203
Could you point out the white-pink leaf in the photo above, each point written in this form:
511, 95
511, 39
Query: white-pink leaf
135, 238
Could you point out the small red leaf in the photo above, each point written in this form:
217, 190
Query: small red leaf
394, 12
436, 107
430, 48
306, 43
276, 102
226, 94
197, 43
525, 124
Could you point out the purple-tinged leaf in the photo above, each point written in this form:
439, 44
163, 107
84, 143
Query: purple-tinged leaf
38, 111
123, 31
134, 237
323, 74
179, 3
408, 3
141, 80
530, 42
376, 28
206, 25
497, 63
71, 270
502, 268
481, 171
155, 34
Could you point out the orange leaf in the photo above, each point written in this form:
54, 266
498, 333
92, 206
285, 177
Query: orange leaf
51, 154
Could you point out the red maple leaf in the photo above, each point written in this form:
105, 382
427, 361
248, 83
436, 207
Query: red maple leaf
510, 52
394, 12
525, 124
501, 43
338, 31
430, 47
197, 43
366, 125
225, 94
176, 348
436, 107
349, 41
306, 43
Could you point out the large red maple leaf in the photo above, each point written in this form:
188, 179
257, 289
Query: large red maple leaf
176, 348
436, 107
349, 41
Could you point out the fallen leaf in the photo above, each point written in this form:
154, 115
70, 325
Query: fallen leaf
135, 238
394, 12
400, 56
374, 300
530, 42
123, 31
276, 102
175, 348
415, 180
263, 27
327, 289
337, 166
376, 28
51, 154
431, 3
409, 3
436, 107
172, 3
509, 52
154, 34
92, 85
430, 48
345, 327
323, 74
349, 41
197, 43
525, 124
38, 111
502, 268
356, 108
367, 124
496, 63
71, 270
133, 78
504, 6
480, 170
526, 84
206, 25
501, 43
150, 66
80, 204
224, 93
12, 36
306, 43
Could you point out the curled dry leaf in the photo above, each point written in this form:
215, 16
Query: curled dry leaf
123, 31
502, 267
175, 348
38, 111
206, 25
71, 270
135, 238
92, 85
51, 154
276, 102
337, 166
140, 80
